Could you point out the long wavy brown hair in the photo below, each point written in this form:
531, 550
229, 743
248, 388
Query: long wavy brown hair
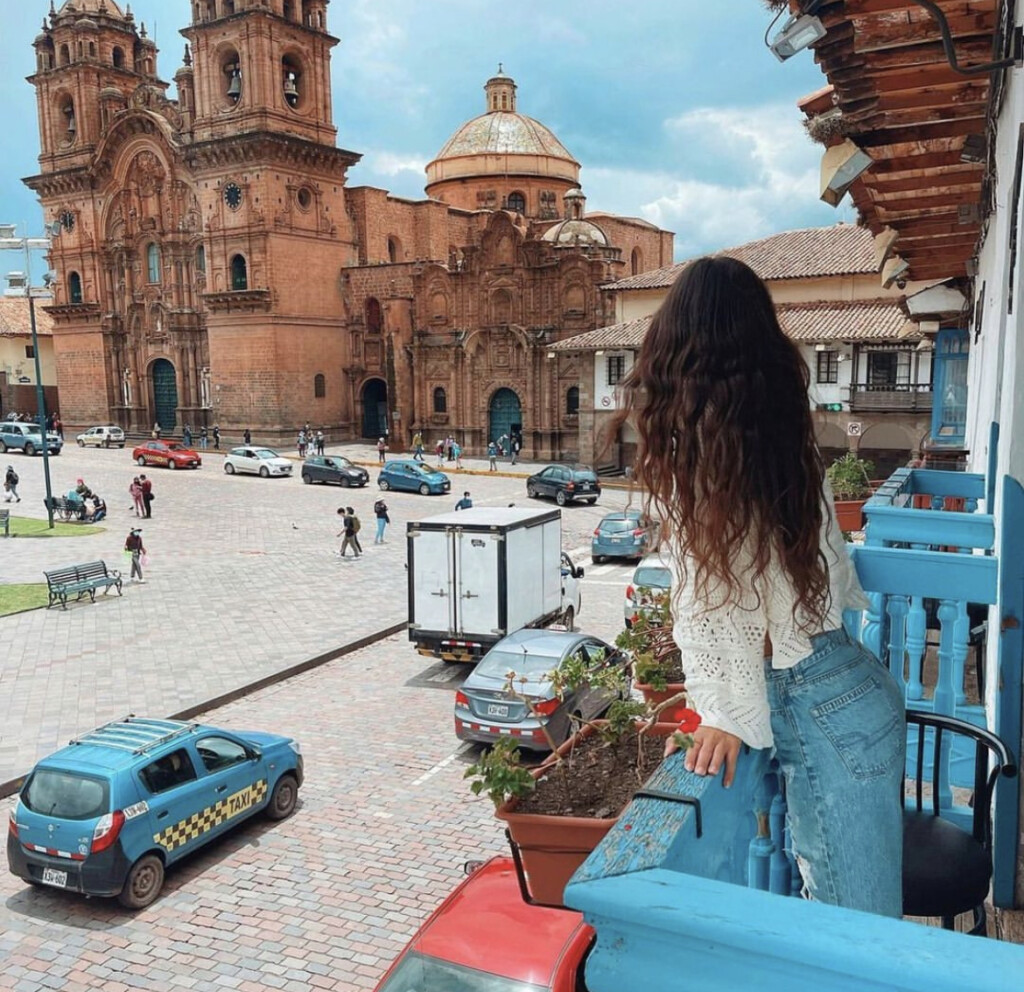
726, 454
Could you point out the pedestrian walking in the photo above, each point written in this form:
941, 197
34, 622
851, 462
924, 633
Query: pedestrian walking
216, 435
319, 442
515, 446
134, 547
137, 501
156, 431
449, 444
347, 532
58, 426
439, 451
247, 436
382, 447
356, 527
204, 437
11, 485
186, 436
302, 444
417, 446
380, 511
492, 456
762, 578
147, 496
457, 453
466, 503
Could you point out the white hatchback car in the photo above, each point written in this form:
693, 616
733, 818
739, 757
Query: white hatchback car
257, 461
108, 436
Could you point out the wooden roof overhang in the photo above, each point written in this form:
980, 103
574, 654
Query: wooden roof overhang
905, 106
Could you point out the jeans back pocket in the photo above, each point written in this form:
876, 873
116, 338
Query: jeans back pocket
866, 726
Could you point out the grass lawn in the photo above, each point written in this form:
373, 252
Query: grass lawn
30, 527
25, 596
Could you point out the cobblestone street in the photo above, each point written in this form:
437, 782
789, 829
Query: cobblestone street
243, 583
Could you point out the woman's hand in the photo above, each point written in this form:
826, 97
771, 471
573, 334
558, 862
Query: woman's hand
711, 750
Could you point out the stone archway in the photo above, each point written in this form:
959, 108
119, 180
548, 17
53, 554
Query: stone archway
165, 394
374, 400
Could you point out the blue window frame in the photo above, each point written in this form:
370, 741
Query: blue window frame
949, 376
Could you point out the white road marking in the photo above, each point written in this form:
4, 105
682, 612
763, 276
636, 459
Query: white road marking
444, 763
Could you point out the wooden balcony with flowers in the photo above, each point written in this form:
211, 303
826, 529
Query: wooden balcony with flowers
695, 886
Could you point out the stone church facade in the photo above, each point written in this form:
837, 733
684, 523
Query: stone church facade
215, 267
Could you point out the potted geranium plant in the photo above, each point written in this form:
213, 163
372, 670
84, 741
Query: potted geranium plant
850, 479
558, 812
657, 662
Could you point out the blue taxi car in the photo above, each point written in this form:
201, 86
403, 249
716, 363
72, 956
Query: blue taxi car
107, 814
410, 476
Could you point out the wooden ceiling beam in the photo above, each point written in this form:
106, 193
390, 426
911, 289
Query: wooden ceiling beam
961, 174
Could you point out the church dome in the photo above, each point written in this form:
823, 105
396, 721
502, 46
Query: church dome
571, 232
502, 143
91, 7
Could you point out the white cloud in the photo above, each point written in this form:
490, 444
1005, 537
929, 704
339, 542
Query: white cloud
387, 163
742, 174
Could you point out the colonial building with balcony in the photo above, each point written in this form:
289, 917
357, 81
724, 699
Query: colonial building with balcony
870, 362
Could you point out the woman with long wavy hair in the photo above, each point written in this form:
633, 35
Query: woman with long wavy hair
727, 459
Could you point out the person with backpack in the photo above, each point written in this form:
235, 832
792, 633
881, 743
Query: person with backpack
348, 531
356, 525
11, 485
492, 456
382, 447
380, 511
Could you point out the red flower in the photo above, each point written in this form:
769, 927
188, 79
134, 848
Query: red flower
690, 721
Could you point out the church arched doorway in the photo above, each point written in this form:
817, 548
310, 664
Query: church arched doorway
505, 415
375, 408
165, 394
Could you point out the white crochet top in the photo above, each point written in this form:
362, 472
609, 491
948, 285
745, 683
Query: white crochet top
722, 642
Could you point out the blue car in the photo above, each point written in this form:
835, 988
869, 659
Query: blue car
410, 476
107, 814
628, 534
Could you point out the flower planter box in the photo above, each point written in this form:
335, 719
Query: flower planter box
850, 514
655, 697
553, 847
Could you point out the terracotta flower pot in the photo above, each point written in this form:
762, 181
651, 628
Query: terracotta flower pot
655, 697
850, 513
553, 847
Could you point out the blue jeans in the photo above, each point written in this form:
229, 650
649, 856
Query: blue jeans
381, 524
840, 739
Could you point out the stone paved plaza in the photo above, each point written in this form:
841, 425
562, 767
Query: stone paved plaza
243, 582
328, 897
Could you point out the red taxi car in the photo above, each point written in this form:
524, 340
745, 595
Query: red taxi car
483, 936
168, 454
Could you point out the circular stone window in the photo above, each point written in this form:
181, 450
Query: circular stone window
304, 197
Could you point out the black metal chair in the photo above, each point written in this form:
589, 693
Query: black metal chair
946, 870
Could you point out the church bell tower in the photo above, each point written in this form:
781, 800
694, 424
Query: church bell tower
272, 188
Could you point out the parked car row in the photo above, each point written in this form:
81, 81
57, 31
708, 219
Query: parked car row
25, 436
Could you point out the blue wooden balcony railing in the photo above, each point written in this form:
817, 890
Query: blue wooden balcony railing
684, 893
930, 562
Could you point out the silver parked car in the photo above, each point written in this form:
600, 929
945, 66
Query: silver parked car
485, 711
107, 436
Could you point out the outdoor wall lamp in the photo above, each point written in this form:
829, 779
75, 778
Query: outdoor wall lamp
799, 32
893, 270
840, 167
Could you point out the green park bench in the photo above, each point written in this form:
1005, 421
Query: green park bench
81, 579
63, 508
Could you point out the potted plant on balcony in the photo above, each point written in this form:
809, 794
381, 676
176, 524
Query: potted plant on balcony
657, 662
558, 812
850, 479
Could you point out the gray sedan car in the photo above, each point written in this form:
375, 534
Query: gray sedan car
485, 711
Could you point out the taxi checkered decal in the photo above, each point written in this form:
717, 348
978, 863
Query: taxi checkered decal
199, 823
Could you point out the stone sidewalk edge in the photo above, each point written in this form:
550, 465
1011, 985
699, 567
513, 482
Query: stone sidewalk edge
10, 787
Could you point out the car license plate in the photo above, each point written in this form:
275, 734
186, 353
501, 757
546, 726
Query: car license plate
584, 485
53, 877
494, 709
618, 540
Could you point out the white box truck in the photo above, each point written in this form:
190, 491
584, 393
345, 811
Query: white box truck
476, 575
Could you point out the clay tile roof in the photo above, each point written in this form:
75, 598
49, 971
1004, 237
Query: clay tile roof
14, 317
626, 335
806, 323
843, 249
855, 320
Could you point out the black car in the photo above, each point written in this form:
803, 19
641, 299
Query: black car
565, 483
333, 468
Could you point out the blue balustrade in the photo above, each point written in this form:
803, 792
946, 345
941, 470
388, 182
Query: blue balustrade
689, 890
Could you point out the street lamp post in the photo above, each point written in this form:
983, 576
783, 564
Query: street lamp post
27, 245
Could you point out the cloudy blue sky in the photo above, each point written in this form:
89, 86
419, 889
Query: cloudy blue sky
675, 108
